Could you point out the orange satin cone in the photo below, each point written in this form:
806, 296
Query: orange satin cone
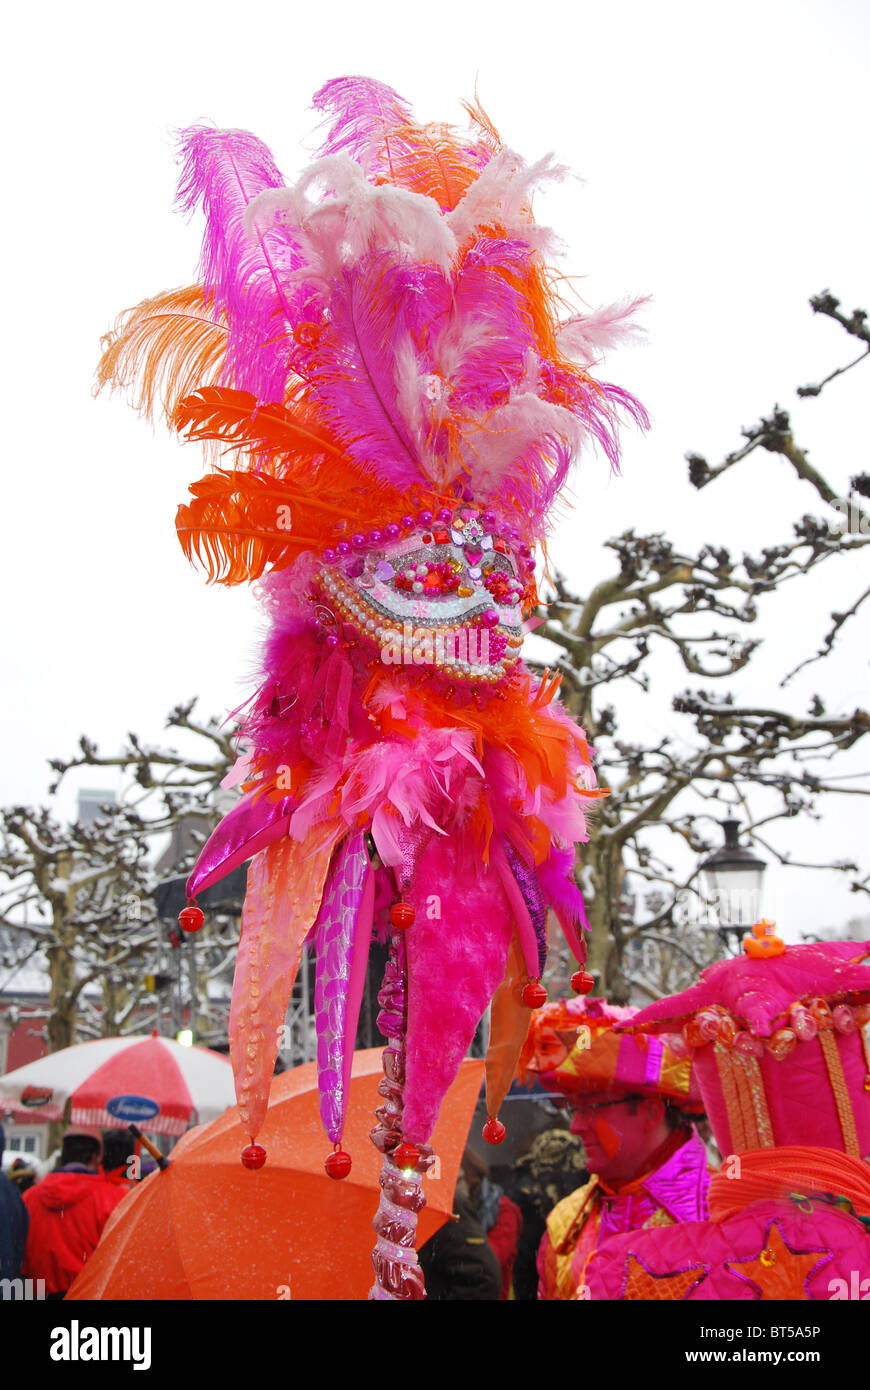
208, 1228
508, 1026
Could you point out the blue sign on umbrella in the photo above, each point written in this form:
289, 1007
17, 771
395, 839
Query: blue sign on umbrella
132, 1108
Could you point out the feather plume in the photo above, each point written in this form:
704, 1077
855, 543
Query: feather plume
162, 349
375, 127
351, 220
231, 528
501, 196
353, 379
431, 160
586, 336
236, 420
482, 122
225, 170
365, 114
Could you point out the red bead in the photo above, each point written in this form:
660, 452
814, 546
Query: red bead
190, 918
406, 1155
582, 982
254, 1156
534, 995
402, 915
494, 1131
338, 1164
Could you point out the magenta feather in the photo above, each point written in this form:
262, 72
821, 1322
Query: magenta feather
364, 114
353, 377
246, 278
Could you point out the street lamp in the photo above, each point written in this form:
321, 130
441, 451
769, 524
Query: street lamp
732, 878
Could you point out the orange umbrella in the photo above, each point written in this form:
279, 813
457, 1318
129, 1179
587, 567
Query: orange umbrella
207, 1228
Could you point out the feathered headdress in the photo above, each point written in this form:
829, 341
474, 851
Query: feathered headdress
374, 356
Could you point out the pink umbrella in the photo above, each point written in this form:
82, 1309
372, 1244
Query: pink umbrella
154, 1082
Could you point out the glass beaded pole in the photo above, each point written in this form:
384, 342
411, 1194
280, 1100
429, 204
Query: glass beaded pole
397, 1272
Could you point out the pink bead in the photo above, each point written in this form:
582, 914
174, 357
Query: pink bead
375, 537
444, 514
425, 518
343, 548
331, 642
329, 557
391, 530
358, 540
408, 523
751, 1047
782, 1042
844, 1019
708, 1025
803, 1023
490, 617
489, 520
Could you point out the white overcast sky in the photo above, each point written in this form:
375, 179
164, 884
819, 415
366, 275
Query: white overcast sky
723, 153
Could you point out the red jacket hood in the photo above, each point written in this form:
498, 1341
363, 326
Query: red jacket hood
59, 1190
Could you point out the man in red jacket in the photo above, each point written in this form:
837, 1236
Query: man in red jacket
67, 1211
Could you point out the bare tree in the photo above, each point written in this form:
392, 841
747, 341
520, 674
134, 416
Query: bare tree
758, 760
79, 899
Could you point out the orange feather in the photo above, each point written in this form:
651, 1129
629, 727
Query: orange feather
162, 349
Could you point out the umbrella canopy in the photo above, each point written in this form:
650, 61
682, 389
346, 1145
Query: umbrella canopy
153, 1082
207, 1228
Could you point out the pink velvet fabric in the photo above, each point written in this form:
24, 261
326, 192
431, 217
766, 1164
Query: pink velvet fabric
457, 956
831, 1251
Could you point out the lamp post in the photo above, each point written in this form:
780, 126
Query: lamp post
732, 878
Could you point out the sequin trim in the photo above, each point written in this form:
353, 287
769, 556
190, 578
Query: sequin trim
840, 1090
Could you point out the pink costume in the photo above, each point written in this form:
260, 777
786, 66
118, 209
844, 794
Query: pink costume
780, 1045
574, 1050
377, 361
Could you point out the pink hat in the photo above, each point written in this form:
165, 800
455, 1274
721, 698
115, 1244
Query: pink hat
780, 1041
573, 1049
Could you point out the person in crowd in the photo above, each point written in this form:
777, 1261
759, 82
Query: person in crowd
552, 1167
780, 1039
498, 1215
630, 1101
458, 1262
23, 1174
119, 1163
68, 1211
13, 1223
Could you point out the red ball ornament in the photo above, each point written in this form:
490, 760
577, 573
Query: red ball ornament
402, 915
494, 1131
407, 1155
190, 918
582, 982
254, 1156
534, 995
338, 1164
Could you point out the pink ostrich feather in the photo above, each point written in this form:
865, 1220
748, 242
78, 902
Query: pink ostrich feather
246, 278
364, 114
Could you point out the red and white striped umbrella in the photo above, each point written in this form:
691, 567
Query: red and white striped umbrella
154, 1082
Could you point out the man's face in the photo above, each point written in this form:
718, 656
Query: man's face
619, 1133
